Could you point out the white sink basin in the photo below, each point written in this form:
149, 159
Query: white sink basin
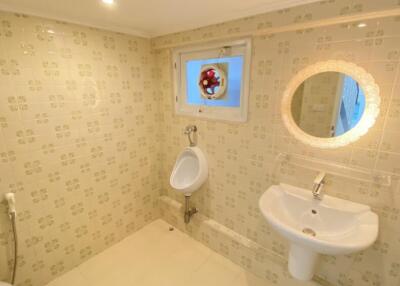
329, 226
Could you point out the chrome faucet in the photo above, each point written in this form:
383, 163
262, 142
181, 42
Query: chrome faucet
318, 185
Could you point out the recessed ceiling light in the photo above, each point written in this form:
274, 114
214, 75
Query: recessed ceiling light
109, 2
362, 25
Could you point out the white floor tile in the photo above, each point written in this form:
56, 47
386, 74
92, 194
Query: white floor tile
155, 256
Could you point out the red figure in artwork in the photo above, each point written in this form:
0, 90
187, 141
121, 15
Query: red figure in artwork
210, 80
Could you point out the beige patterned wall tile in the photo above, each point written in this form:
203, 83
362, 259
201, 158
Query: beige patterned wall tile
80, 115
70, 146
242, 158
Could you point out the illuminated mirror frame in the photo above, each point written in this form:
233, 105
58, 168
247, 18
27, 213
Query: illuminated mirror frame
371, 111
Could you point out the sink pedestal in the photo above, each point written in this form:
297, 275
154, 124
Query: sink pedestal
302, 262
315, 227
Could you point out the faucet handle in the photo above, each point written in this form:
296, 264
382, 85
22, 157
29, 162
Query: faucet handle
190, 129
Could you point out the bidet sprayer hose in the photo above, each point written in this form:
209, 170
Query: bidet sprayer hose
14, 229
12, 213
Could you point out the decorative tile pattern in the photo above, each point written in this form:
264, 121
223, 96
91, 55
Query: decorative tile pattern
80, 161
242, 156
87, 121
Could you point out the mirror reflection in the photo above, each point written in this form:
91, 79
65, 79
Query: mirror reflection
328, 104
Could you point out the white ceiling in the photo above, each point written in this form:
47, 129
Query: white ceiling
147, 18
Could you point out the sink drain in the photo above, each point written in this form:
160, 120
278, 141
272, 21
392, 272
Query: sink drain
309, 232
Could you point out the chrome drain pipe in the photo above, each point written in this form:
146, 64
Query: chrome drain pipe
189, 212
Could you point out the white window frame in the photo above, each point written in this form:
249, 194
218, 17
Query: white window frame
207, 51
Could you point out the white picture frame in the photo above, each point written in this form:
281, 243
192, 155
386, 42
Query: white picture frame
207, 51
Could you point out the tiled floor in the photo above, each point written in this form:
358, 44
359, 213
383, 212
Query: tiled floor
155, 256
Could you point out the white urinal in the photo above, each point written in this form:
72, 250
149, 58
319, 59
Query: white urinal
190, 171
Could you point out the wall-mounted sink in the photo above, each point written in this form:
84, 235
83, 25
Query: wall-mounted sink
330, 226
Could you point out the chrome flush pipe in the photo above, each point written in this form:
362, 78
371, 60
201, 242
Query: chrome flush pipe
189, 212
189, 131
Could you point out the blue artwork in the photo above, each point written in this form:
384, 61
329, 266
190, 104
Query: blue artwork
234, 77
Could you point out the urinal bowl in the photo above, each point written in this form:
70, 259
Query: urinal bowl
190, 171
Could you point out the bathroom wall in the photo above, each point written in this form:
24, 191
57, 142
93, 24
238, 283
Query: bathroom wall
78, 126
80, 114
242, 157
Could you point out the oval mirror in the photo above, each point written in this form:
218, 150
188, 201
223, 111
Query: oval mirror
330, 104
